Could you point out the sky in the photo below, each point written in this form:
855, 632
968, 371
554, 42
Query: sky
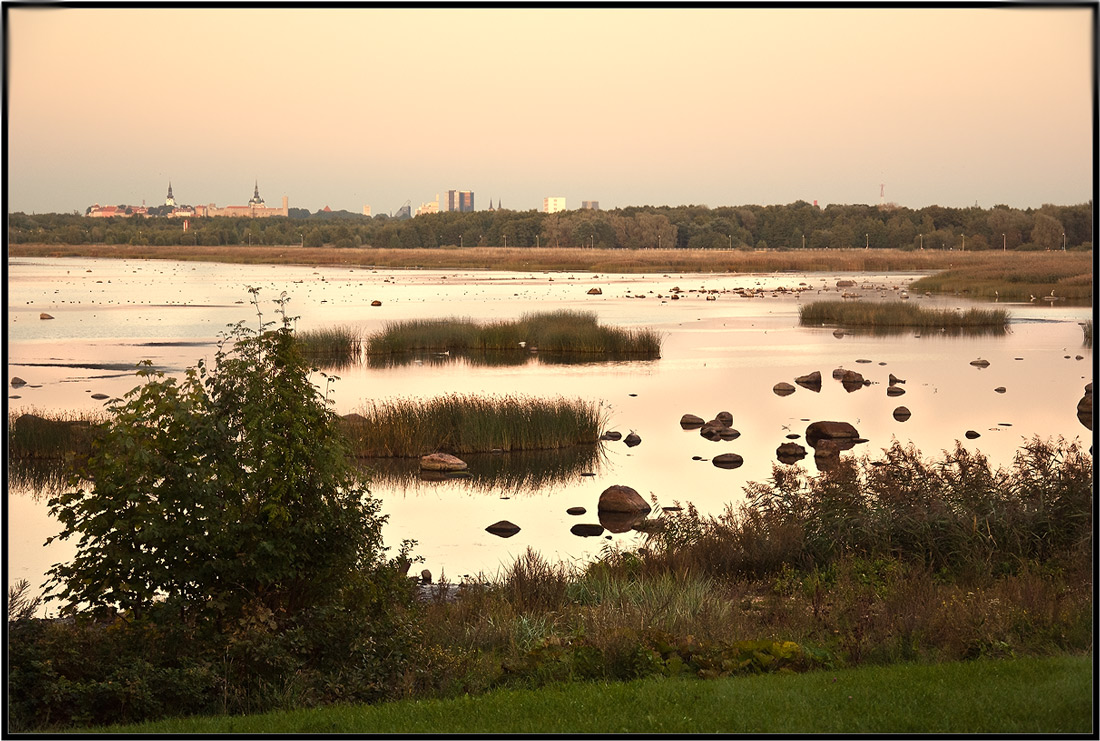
349, 107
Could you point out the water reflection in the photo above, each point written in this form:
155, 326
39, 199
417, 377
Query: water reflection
496, 358
505, 474
990, 330
39, 479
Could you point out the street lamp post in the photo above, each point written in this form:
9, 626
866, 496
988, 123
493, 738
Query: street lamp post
1004, 244
303, 238
658, 240
866, 241
964, 242
1063, 241
803, 241
731, 240
460, 241
922, 241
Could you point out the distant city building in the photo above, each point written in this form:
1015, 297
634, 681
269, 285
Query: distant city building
169, 200
431, 207
366, 210
460, 200
254, 210
404, 212
553, 204
106, 212
593, 205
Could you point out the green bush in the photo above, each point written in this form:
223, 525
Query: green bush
230, 557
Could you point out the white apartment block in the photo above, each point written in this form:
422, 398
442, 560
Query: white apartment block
553, 204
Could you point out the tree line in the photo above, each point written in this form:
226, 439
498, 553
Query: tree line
799, 225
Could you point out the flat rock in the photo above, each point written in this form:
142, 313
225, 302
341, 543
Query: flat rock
971, 434
587, 530
503, 528
894, 391
728, 460
576, 511
611, 435
44, 315
981, 363
442, 462
820, 431
783, 389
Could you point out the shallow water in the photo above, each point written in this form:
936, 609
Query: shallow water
722, 354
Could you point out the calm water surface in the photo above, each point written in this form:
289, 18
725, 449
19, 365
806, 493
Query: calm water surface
723, 354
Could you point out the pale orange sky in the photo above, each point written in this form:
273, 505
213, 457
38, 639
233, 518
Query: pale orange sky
628, 106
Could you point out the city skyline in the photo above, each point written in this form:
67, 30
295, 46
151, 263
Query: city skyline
349, 107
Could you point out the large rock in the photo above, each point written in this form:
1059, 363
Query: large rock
901, 414
1084, 407
621, 522
819, 431
826, 455
17, 382
691, 422
619, 498
894, 391
632, 439
442, 462
725, 418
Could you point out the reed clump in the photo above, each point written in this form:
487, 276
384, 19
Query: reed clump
52, 435
1086, 330
336, 346
897, 314
1025, 277
459, 423
557, 332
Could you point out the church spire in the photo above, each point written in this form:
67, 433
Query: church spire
256, 200
169, 201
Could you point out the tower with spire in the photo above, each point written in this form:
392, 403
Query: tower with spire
255, 200
169, 201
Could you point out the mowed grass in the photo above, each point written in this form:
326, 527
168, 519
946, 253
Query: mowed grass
459, 423
563, 331
1028, 696
897, 314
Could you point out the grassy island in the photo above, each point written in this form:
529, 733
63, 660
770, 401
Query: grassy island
464, 424
564, 331
897, 315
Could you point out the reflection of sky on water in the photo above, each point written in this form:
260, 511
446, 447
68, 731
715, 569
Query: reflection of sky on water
725, 354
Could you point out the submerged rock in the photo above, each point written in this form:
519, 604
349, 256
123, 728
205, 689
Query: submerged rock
611, 435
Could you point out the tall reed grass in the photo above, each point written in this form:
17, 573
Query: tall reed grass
52, 435
459, 424
563, 331
897, 314
333, 347
1086, 330
1027, 276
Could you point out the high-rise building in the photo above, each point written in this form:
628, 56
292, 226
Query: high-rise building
593, 205
553, 204
366, 210
460, 200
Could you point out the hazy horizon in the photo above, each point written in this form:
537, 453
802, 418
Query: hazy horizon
346, 107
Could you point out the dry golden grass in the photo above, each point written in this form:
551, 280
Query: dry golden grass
587, 260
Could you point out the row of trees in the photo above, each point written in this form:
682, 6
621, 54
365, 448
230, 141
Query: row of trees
794, 226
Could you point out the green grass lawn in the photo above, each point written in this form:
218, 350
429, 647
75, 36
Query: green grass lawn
1032, 695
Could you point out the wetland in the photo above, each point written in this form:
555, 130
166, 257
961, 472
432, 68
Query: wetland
725, 342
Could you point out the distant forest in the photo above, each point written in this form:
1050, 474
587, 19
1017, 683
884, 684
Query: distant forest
794, 226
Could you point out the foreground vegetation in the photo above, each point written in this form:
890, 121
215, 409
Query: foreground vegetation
879, 562
1024, 696
463, 424
895, 314
563, 332
331, 347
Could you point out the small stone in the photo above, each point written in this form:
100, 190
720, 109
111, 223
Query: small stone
16, 382
894, 391
783, 389
1000, 389
376, 302
982, 363
901, 414
632, 439
44, 315
576, 511
611, 435
100, 396
586, 530
725, 418
691, 422
971, 434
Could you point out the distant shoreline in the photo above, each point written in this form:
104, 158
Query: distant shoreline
524, 259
